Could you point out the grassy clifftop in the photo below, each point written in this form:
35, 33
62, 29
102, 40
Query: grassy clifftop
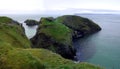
12, 42
18, 58
54, 36
5, 20
54, 61
13, 33
56, 30
16, 53
80, 25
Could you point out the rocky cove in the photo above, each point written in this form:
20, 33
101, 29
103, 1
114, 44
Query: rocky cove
54, 36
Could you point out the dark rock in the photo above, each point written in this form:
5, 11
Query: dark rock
30, 22
54, 36
50, 18
46, 42
80, 26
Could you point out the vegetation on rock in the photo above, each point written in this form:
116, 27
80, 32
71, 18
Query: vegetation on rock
18, 58
31, 22
14, 58
54, 61
81, 26
15, 51
54, 36
13, 33
6, 20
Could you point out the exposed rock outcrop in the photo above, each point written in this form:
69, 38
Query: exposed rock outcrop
57, 34
81, 26
16, 53
31, 22
54, 36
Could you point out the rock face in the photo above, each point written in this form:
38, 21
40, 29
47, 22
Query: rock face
54, 36
31, 22
80, 26
16, 53
57, 34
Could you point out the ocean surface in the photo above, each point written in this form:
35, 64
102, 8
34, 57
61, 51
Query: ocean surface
102, 48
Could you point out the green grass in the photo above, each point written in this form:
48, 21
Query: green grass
54, 61
74, 21
56, 30
79, 23
13, 58
15, 51
18, 58
13, 34
4, 19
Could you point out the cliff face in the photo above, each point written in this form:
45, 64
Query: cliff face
16, 53
54, 36
57, 34
80, 26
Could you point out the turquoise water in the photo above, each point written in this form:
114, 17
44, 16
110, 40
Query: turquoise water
102, 48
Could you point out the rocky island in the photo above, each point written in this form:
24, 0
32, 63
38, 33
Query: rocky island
57, 34
80, 26
31, 22
50, 48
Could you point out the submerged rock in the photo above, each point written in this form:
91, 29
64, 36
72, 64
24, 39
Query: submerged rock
54, 36
81, 26
31, 22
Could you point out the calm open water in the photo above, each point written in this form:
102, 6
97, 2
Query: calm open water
102, 48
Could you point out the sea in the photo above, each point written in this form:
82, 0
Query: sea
101, 48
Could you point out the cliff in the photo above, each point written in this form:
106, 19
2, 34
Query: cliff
54, 36
16, 53
81, 26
